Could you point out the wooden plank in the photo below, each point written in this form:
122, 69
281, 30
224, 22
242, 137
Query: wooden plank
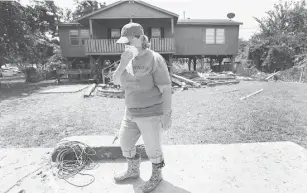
271, 75
89, 90
73, 71
160, 44
107, 46
110, 46
169, 47
222, 78
92, 47
186, 80
223, 83
113, 43
99, 46
103, 46
259, 91
96, 49
9, 78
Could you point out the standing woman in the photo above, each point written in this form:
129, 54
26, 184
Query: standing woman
148, 95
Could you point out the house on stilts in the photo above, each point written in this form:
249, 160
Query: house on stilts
90, 40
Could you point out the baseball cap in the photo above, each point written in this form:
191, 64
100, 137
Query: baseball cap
131, 29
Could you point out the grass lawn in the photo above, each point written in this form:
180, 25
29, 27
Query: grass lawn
201, 116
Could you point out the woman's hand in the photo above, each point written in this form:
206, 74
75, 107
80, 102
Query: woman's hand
167, 120
124, 60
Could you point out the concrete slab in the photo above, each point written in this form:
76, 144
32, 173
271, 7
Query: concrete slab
259, 167
104, 147
65, 89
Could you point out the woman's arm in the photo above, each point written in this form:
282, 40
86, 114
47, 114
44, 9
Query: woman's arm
167, 98
125, 58
163, 82
117, 74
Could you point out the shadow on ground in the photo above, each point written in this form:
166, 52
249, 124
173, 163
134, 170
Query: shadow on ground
163, 187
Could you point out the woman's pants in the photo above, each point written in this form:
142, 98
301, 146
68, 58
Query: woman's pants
151, 130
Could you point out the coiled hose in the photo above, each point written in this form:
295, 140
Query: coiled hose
73, 157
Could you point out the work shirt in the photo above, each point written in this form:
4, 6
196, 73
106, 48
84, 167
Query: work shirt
142, 94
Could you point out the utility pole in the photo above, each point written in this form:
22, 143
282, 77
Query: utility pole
183, 14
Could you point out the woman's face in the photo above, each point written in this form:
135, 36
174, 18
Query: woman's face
133, 41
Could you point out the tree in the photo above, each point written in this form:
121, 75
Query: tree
13, 32
282, 35
85, 7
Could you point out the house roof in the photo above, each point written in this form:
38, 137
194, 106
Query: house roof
207, 22
123, 1
69, 24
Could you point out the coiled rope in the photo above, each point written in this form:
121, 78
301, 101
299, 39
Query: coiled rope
73, 157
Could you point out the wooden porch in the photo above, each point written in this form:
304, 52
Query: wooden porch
109, 46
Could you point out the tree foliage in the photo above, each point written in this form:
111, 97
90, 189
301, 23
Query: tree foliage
29, 34
282, 35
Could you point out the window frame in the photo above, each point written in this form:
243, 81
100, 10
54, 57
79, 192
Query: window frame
82, 38
78, 37
215, 42
75, 37
224, 36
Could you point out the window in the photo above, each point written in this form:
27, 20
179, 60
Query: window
215, 36
84, 35
155, 32
220, 36
77, 37
210, 36
74, 37
115, 33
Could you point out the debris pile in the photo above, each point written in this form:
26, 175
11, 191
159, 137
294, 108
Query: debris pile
197, 79
110, 91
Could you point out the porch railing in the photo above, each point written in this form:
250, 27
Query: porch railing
109, 46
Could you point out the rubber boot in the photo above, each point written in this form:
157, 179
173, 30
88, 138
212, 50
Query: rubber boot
133, 170
155, 179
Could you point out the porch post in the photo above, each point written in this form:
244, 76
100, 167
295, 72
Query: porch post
170, 62
172, 25
202, 63
172, 30
91, 29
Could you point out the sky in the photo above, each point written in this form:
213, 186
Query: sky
245, 10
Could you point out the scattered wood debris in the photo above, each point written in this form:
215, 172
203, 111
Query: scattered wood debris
197, 79
216, 83
89, 90
186, 80
110, 91
271, 76
259, 91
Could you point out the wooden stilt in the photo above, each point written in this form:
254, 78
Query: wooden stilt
194, 63
189, 64
202, 63
170, 63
